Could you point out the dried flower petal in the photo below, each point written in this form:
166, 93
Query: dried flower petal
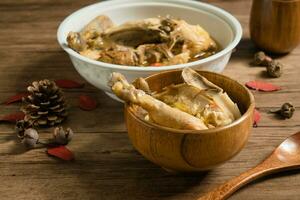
13, 117
87, 103
256, 118
30, 138
262, 86
61, 152
16, 98
68, 84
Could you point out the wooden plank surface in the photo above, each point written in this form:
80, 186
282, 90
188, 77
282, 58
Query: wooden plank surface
106, 166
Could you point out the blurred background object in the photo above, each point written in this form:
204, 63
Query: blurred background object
275, 25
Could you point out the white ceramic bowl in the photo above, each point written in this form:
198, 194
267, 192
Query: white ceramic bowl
222, 26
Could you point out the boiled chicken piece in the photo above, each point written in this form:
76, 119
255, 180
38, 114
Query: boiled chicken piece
195, 102
142, 84
120, 56
76, 41
179, 59
97, 26
159, 112
153, 53
157, 30
201, 98
184, 97
89, 53
194, 36
161, 40
79, 40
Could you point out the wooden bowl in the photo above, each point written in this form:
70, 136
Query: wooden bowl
275, 25
191, 150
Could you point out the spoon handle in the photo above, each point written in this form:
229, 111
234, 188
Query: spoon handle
225, 190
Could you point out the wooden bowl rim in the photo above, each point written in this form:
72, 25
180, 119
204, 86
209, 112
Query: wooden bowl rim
206, 131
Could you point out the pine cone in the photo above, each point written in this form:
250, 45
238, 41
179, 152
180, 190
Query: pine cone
45, 106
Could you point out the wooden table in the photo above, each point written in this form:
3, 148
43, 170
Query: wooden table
106, 166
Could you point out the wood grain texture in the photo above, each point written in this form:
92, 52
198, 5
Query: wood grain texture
284, 157
106, 166
275, 25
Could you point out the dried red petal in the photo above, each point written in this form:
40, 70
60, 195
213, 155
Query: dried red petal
262, 86
13, 117
256, 117
87, 103
68, 84
16, 98
61, 152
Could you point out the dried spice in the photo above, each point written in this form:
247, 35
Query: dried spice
274, 69
286, 111
68, 84
87, 103
13, 117
256, 118
45, 106
16, 98
30, 138
21, 126
61, 152
262, 86
62, 136
261, 59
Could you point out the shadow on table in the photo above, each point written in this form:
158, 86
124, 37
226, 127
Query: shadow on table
107, 167
134, 177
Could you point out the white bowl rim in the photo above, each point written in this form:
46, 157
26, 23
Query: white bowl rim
224, 15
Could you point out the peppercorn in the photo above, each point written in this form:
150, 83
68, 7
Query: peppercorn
274, 69
286, 111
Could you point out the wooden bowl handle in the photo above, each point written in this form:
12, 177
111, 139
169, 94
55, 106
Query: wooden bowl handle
225, 190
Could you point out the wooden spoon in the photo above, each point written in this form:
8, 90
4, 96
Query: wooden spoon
285, 157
